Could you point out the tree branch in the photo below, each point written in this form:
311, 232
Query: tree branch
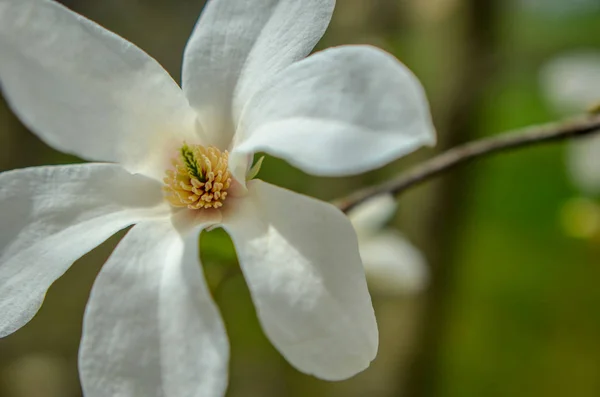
557, 131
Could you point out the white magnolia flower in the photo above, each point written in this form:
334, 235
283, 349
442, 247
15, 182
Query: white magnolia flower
176, 161
392, 264
572, 84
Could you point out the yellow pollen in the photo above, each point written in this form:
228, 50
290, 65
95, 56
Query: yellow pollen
199, 178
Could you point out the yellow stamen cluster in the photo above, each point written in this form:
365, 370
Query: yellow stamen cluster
199, 178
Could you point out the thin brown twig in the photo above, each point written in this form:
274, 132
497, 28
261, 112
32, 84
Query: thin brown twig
534, 135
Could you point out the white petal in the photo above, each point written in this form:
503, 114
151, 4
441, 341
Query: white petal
86, 91
571, 82
151, 328
300, 259
51, 216
393, 265
584, 163
340, 111
236, 45
370, 216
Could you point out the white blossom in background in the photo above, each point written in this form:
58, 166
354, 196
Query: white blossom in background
571, 83
392, 264
172, 161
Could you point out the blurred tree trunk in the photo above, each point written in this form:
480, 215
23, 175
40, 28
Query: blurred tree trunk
456, 113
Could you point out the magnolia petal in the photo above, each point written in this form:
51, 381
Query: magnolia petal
236, 45
51, 216
86, 91
300, 259
151, 328
341, 111
393, 265
369, 217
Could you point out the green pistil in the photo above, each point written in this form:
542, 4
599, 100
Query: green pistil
191, 162
255, 169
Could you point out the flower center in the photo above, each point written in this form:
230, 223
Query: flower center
199, 178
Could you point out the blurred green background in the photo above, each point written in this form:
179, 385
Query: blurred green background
513, 307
